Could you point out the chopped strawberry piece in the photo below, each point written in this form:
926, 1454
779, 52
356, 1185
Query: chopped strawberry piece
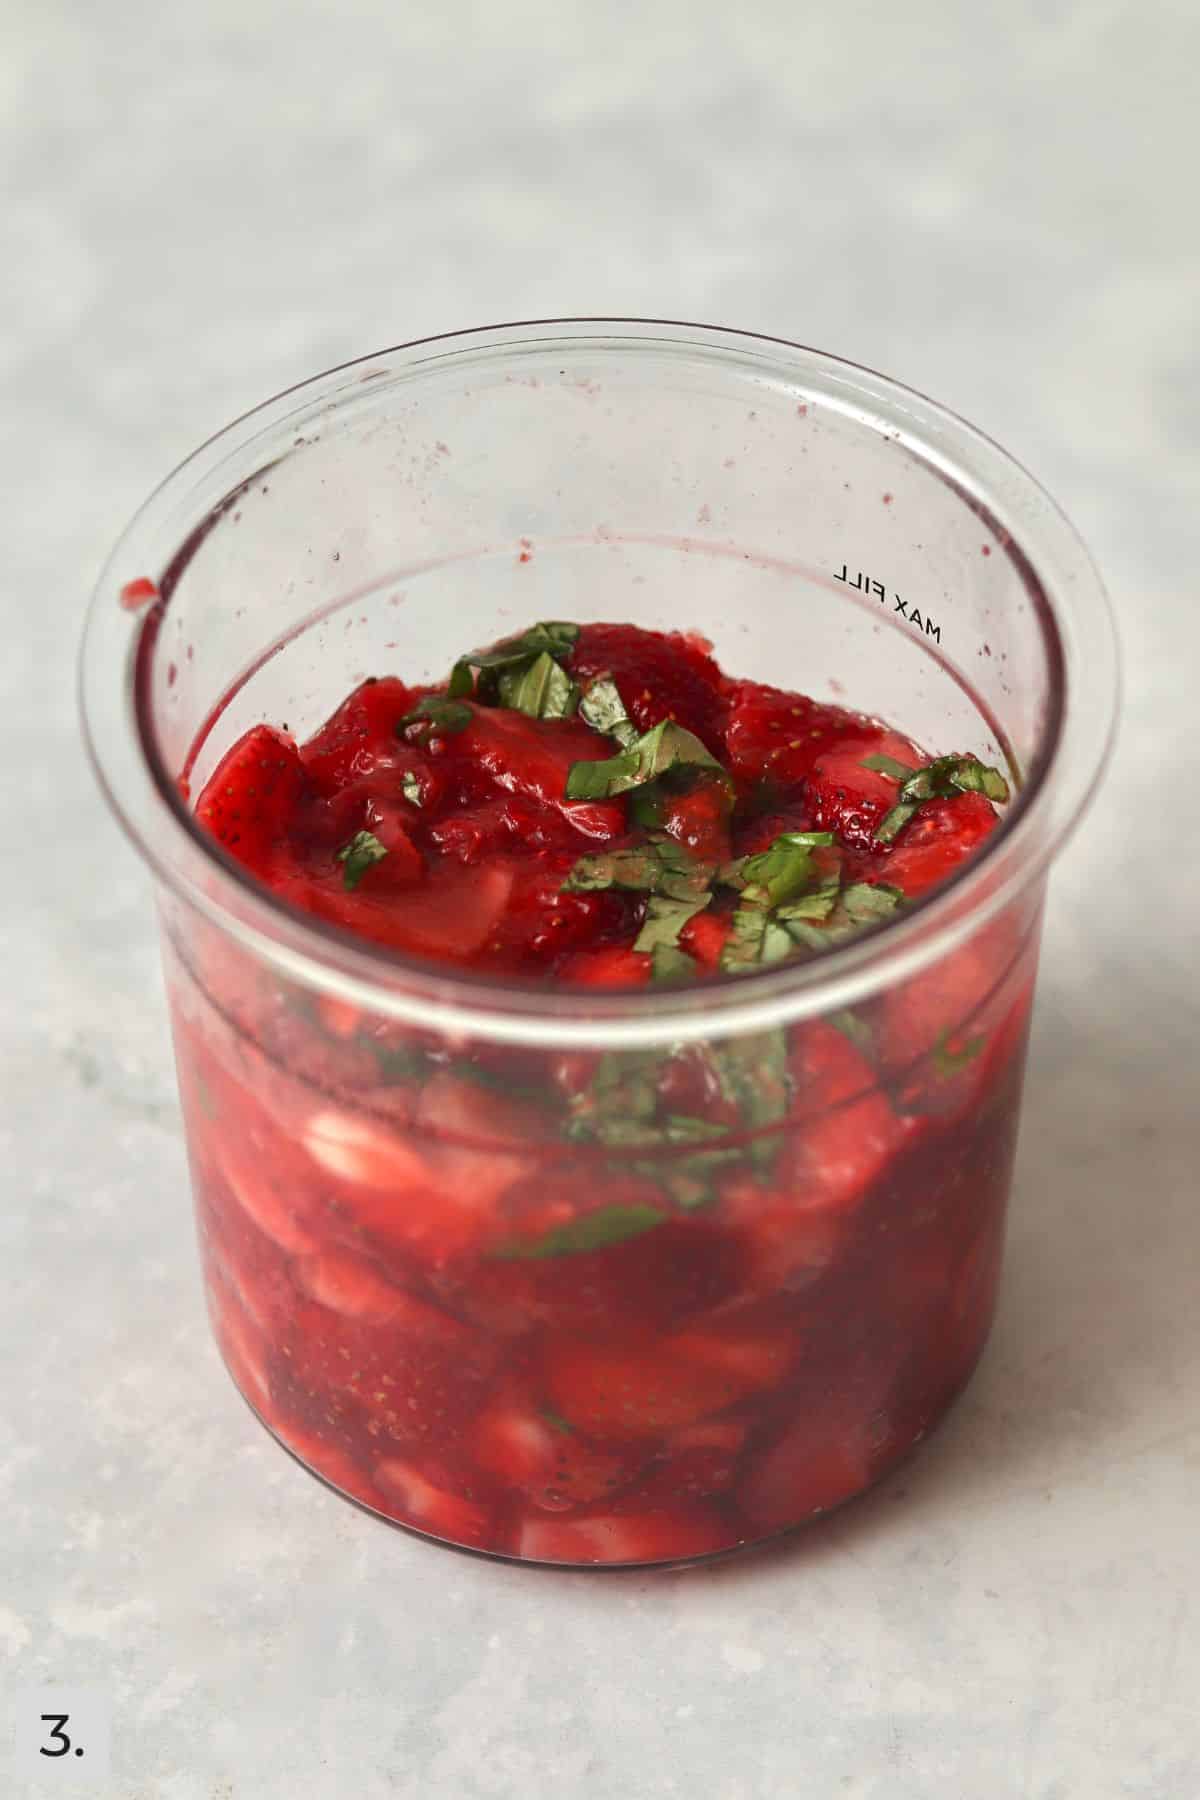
779, 735
846, 797
420, 1190
251, 796
244, 1351
349, 1285
705, 936
334, 1465
937, 839
539, 1456
533, 757
431, 1508
611, 968
360, 734
644, 1387
817, 1463
661, 1535
659, 675
698, 818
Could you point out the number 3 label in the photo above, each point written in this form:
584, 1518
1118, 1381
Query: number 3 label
65, 1731
58, 1737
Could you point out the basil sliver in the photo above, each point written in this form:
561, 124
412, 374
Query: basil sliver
590, 1231
667, 746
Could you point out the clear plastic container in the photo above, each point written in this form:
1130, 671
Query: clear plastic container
777, 1317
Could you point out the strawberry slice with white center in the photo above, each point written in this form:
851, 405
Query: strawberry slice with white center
417, 1500
540, 1456
661, 1535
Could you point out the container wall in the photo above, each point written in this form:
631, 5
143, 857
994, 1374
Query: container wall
586, 1308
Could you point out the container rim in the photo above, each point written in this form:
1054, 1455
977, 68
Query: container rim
1054, 565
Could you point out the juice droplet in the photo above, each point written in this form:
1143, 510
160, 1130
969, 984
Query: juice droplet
136, 594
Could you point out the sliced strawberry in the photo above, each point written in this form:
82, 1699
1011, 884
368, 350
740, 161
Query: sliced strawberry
613, 967
819, 1461
420, 1190
659, 675
416, 1500
450, 915
539, 1455
533, 757
775, 734
698, 818
244, 1350
846, 1131
936, 841
417, 1379
334, 1465
846, 797
360, 732
705, 936
644, 1387
251, 796
349, 1285
948, 1032
661, 1535
267, 1187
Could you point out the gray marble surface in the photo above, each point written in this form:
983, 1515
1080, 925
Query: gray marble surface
994, 203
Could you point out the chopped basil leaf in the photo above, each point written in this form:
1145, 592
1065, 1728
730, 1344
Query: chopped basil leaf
895, 821
864, 902
938, 780
660, 866
555, 637
437, 716
556, 1421
667, 746
540, 689
744, 945
754, 1072
410, 787
665, 919
604, 710
854, 1028
949, 1062
815, 905
357, 856
887, 765
670, 963
590, 1231
776, 874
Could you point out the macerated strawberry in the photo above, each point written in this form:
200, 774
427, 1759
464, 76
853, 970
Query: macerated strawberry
613, 967
775, 734
705, 936
662, 1535
659, 675
644, 1387
818, 1462
540, 1456
935, 842
417, 1500
846, 797
363, 729
251, 796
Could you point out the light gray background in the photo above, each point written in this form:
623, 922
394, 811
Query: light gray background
995, 203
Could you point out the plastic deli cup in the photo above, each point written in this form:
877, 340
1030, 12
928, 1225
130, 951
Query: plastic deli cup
408, 1271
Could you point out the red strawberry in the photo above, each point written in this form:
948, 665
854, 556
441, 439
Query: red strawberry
360, 732
417, 1379
416, 1499
937, 839
819, 1461
613, 967
659, 675
532, 758
845, 796
540, 1456
698, 818
705, 936
424, 1189
661, 1535
333, 1464
645, 1387
780, 735
251, 796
